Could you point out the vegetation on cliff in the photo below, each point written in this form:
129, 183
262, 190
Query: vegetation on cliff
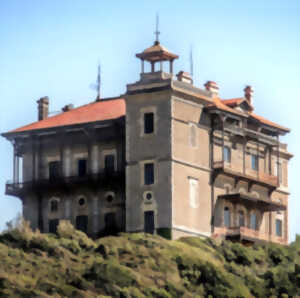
138, 265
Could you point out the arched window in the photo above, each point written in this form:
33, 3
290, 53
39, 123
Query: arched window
241, 218
253, 221
227, 217
54, 205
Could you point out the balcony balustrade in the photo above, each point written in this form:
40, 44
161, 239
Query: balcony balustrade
246, 234
259, 178
116, 178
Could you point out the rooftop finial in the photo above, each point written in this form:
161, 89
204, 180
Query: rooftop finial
191, 62
157, 32
98, 82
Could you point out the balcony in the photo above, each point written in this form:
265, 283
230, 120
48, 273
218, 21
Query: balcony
245, 234
260, 178
251, 201
106, 179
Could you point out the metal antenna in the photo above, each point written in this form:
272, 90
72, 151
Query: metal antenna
157, 32
191, 62
98, 82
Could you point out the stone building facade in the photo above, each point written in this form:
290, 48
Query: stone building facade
167, 157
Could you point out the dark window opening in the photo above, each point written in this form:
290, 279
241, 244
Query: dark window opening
54, 206
82, 223
54, 170
81, 201
149, 196
53, 224
148, 123
109, 163
149, 173
278, 227
149, 225
82, 167
109, 198
110, 223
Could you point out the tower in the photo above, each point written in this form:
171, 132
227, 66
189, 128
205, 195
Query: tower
148, 144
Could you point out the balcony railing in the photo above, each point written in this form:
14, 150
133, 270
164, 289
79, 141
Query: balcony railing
246, 234
104, 178
259, 177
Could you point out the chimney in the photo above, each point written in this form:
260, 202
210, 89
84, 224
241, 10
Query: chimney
43, 108
212, 87
68, 107
249, 93
184, 77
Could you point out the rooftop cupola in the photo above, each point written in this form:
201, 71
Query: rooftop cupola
157, 53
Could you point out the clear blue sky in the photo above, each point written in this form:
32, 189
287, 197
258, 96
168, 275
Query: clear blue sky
52, 48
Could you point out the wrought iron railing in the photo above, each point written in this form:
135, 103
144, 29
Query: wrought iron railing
104, 177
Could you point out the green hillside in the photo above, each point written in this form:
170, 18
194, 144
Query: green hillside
139, 265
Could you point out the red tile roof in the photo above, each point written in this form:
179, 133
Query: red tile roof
96, 111
236, 101
218, 103
268, 122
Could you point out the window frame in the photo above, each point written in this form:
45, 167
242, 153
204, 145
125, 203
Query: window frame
279, 232
254, 162
251, 221
227, 217
228, 150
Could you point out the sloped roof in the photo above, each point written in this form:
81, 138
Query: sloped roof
219, 104
268, 122
236, 101
157, 52
92, 112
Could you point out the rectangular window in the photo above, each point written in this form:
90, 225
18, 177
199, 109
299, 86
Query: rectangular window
278, 227
227, 154
54, 170
149, 173
82, 167
109, 163
254, 162
148, 123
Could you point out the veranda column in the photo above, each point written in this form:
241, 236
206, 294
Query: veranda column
95, 215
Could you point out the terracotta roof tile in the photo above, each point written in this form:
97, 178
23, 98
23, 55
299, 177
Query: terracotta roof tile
227, 104
96, 111
268, 122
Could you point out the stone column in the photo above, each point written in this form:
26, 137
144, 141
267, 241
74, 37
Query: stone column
68, 209
95, 215
94, 164
67, 161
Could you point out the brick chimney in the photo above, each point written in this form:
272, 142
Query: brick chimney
212, 87
43, 108
249, 94
68, 107
184, 77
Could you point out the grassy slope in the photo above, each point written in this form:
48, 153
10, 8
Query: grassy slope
138, 265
